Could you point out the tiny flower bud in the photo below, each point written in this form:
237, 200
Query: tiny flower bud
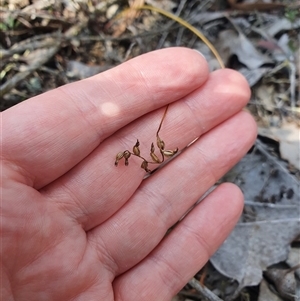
136, 149
145, 166
119, 156
126, 154
152, 150
155, 158
170, 153
160, 143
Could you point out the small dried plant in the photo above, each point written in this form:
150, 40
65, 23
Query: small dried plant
159, 142
155, 158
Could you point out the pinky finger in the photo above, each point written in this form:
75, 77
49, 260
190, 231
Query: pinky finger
185, 250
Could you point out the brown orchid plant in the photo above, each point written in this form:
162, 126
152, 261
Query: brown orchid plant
155, 158
159, 142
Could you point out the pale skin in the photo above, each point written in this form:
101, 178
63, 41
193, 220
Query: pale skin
76, 227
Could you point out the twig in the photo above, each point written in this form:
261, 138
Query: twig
36, 42
165, 34
45, 40
8, 85
203, 290
11, 83
292, 72
269, 205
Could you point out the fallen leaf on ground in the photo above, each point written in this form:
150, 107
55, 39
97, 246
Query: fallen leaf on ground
230, 42
270, 221
288, 136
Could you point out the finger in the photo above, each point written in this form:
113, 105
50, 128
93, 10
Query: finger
96, 189
185, 250
49, 134
162, 199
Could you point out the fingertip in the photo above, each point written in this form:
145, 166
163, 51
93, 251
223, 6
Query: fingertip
235, 200
250, 126
220, 212
241, 82
178, 63
233, 83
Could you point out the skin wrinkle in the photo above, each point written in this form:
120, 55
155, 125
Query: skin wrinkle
33, 132
158, 210
80, 215
127, 225
200, 127
189, 232
26, 214
44, 148
92, 281
28, 266
21, 175
171, 281
99, 246
86, 116
206, 162
145, 82
69, 207
6, 288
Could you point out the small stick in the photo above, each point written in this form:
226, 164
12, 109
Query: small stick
203, 290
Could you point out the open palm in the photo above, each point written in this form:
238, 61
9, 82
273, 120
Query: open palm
74, 226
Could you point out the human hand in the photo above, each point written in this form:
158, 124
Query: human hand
74, 226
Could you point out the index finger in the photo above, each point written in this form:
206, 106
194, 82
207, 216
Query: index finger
49, 134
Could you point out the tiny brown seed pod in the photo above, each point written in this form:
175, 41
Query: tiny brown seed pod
126, 154
155, 158
119, 156
136, 149
170, 153
145, 166
160, 143
152, 150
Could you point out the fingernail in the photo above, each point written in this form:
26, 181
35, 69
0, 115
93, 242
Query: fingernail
199, 52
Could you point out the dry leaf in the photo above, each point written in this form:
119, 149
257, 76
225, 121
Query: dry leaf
270, 221
230, 43
265, 293
288, 136
284, 281
254, 246
254, 75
